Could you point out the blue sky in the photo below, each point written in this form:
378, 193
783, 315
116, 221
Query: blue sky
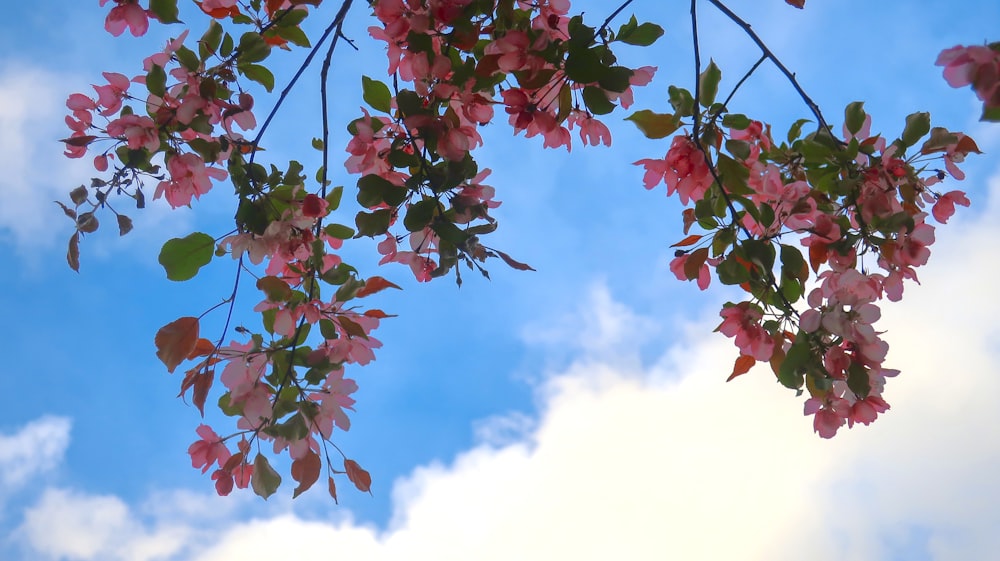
578, 411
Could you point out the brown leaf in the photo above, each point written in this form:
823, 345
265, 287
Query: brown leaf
332, 487
202, 384
694, 262
66, 210
202, 347
124, 224
306, 470
373, 285
358, 476
176, 341
87, 223
743, 365
511, 263
79, 195
73, 253
351, 327
797, 3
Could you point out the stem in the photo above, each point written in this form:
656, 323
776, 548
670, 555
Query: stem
335, 24
774, 59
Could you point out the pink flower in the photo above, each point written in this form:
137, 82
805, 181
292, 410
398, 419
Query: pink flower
128, 14
944, 208
743, 322
189, 177
829, 414
684, 170
138, 131
677, 268
592, 131
209, 450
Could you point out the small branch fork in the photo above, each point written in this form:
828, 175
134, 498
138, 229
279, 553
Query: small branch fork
766, 55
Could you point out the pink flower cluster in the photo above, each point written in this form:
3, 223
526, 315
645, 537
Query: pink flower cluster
978, 66
879, 222
454, 105
179, 116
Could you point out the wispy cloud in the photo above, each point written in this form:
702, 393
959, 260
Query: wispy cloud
33, 449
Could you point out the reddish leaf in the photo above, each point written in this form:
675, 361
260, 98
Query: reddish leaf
202, 347
817, 255
690, 240
689, 218
306, 470
358, 476
73, 253
332, 487
778, 357
513, 264
797, 3
202, 383
176, 340
233, 461
377, 314
373, 285
743, 365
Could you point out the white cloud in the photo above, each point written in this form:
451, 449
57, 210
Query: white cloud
36, 173
32, 102
35, 448
664, 461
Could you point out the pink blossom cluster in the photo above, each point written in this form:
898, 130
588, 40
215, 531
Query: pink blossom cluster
978, 66
862, 245
183, 114
422, 41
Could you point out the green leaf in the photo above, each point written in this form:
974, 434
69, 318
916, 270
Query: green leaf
258, 73
708, 84
376, 94
682, 101
731, 271
188, 59
917, 125
615, 79
654, 125
796, 129
294, 35
854, 116
338, 231
265, 480
858, 380
419, 215
734, 175
164, 10
182, 257
275, 289
373, 224
736, 121
334, 196
156, 81
252, 48
210, 41
584, 65
642, 35
791, 374
597, 101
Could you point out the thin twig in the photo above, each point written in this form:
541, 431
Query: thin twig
774, 59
